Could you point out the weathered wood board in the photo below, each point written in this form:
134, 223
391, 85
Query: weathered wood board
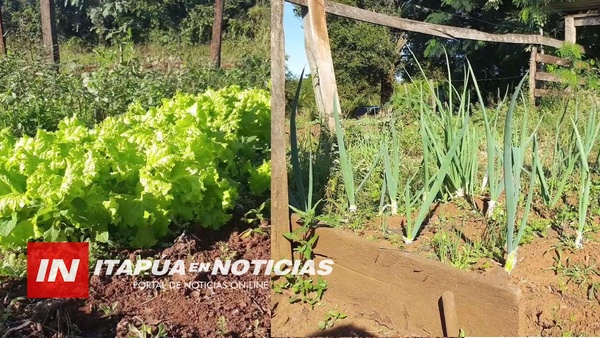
406, 288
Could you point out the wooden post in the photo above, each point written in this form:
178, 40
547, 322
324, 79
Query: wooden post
215, 43
49, 34
280, 216
2, 40
318, 46
312, 60
570, 30
532, 71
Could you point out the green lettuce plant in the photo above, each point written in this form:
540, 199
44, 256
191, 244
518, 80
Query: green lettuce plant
133, 176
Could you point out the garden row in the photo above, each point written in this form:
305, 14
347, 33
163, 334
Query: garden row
511, 156
135, 177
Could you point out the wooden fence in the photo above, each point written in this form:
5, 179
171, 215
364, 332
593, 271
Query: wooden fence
539, 78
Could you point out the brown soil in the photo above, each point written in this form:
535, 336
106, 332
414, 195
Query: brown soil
554, 303
184, 312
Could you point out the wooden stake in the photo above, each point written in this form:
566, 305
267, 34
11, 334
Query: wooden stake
49, 34
280, 216
215, 43
450, 316
318, 45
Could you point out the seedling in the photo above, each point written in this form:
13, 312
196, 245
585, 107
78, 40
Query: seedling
330, 318
256, 215
226, 253
109, 310
305, 240
448, 249
147, 331
222, 326
303, 287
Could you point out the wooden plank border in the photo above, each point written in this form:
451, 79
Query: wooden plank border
403, 290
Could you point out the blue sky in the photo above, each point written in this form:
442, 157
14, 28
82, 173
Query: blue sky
294, 41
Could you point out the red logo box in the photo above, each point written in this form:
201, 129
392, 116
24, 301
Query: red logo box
57, 270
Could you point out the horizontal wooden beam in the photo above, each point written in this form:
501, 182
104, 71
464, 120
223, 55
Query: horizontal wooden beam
551, 92
549, 77
585, 15
551, 59
588, 21
448, 32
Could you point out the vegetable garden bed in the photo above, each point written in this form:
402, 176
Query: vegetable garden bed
390, 290
401, 293
499, 189
187, 180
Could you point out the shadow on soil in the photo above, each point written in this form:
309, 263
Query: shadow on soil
342, 331
22, 317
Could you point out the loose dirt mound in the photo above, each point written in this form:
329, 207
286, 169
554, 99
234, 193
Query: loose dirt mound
116, 308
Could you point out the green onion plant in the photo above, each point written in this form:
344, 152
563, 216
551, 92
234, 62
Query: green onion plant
345, 164
430, 190
563, 162
513, 167
295, 158
307, 210
492, 176
392, 169
592, 129
463, 170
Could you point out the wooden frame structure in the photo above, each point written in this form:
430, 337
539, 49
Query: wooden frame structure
573, 20
536, 75
325, 88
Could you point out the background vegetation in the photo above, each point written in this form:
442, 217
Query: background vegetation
368, 59
131, 68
